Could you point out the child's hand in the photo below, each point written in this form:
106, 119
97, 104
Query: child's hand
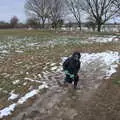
72, 76
66, 72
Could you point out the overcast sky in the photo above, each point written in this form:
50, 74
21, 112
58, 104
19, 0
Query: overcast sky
10, 8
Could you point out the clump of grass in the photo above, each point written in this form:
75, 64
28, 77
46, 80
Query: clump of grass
116, 82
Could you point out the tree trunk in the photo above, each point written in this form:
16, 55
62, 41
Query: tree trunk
79, 24
99, 27
43, 23
55, 25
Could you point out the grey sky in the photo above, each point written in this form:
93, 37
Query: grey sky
10, 8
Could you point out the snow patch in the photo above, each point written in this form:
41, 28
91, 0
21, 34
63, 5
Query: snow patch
19, 51
25, 83
32, 80
27, 96
16, 82
39, 75
53, 68
104, 39
53, 64
109, 60
8, 110
1, 89
44, 85
4, 52
13, 96
32, 93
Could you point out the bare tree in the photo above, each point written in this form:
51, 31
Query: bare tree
117, 5
56, 12
100, 10
75, 8
38, 9
14, 21
90, 23
32, 23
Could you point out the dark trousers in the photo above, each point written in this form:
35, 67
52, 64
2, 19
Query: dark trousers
70, 80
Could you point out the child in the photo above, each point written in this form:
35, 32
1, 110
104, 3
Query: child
71, 67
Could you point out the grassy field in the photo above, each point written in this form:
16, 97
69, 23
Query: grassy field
29, 54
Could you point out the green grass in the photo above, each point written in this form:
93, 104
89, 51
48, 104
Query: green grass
25, 32
48, 33
116, 82
103, 33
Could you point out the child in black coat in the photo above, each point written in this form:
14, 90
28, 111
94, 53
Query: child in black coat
71, 67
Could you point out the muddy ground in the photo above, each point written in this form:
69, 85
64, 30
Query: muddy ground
61, 103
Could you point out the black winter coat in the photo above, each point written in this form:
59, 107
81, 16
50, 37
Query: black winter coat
71, 65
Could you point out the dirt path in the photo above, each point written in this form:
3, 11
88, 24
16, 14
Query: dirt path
60, 103
101, 103
57, 103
